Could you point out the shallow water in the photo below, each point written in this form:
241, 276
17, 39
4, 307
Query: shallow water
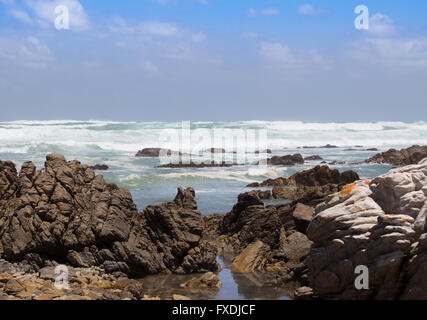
235, 286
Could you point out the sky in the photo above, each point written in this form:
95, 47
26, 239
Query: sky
213, 60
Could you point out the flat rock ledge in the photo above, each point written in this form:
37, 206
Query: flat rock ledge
65, 213
380, 224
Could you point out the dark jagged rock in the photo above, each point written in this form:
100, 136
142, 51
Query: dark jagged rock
100, 167
249, 220
402, 157
66, 213
317, 176
156, 152
288, 160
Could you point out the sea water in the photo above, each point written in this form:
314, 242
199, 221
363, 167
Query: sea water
116, 143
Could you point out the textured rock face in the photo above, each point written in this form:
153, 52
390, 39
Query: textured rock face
249, 221
68, 214
379, 224
402, 157
317, 176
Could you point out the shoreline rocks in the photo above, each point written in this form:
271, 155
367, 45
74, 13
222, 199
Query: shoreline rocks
411, 155
66, 213
380, 224
317, 176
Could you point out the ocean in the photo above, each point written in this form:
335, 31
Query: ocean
116, 143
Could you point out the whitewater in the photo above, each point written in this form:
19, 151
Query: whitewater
115, 144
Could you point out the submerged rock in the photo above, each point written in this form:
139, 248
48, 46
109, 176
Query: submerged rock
66, 213
207, 280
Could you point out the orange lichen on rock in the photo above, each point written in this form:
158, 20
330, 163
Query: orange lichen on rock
348, 189
406, 171
367, 182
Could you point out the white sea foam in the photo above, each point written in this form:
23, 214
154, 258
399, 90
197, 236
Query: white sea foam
128, 137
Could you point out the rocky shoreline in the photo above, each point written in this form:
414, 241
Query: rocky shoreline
64, 214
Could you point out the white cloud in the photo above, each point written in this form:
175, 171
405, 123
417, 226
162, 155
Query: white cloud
279, 55
308, 9
251, 12
198, 37
148, 28
45, 12
270, 11
391, 53
267, 11
148, 67
158, 28
381, 25
30, 52
21, 16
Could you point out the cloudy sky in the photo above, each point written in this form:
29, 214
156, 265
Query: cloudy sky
213, 60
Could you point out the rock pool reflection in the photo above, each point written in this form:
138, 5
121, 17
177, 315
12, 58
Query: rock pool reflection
235, 286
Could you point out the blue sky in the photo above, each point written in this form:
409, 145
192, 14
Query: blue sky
213, 60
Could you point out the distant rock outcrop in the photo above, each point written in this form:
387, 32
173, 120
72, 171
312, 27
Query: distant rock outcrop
401, 157
288, 160
156, 153
317, 176
66, 213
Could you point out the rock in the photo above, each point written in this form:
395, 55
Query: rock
403, 157
296, 248
178, 297
249, 221
334, 163
214, 150
252, 258
100, 167
302, 216
205, 164
380, 224
313, 158
207, 280
156, 153
329, 146
317, 176
5, 277
13, 287
268, 151
288, 160
66, 212
304, 293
